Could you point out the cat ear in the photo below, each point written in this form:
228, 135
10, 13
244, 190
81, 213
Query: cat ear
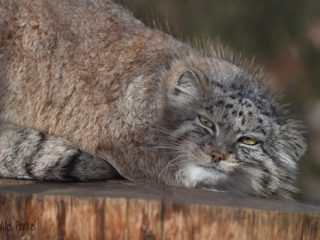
186, 84
186, 87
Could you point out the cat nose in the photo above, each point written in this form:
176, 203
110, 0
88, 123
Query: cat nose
217, 157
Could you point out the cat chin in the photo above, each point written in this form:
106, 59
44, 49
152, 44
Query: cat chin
193, 176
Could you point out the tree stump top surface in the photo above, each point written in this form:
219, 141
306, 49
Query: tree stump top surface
134, 190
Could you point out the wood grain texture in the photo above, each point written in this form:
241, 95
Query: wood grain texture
125, 210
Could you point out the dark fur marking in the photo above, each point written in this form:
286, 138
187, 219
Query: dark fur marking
217, 84
201, 131
209, 109
71, 163
176, 91
22, 136
266, 178
233, 86
53, 168
29, 159
220, 103
272, 158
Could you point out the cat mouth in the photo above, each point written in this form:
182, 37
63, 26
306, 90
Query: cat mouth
210, 166
225, 167
206, 166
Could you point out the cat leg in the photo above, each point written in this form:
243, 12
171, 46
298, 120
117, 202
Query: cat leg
30, 154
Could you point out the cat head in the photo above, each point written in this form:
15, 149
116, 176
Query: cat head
227, 132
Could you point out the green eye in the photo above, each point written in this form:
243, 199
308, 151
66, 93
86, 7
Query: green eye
206, 122
248, 141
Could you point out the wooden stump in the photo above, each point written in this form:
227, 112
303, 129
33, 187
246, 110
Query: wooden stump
125, 210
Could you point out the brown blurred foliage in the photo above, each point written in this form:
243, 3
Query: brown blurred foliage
282, 35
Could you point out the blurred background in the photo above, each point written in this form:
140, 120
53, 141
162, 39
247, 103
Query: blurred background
282, 35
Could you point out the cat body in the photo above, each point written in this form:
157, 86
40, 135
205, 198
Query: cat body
88, 91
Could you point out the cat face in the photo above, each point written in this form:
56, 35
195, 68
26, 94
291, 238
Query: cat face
227, 133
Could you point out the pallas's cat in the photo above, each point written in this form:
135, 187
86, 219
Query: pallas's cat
88, 92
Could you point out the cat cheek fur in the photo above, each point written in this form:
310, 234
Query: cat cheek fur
292, 143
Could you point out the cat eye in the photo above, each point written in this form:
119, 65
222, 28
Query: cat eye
206, 122
248, 141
